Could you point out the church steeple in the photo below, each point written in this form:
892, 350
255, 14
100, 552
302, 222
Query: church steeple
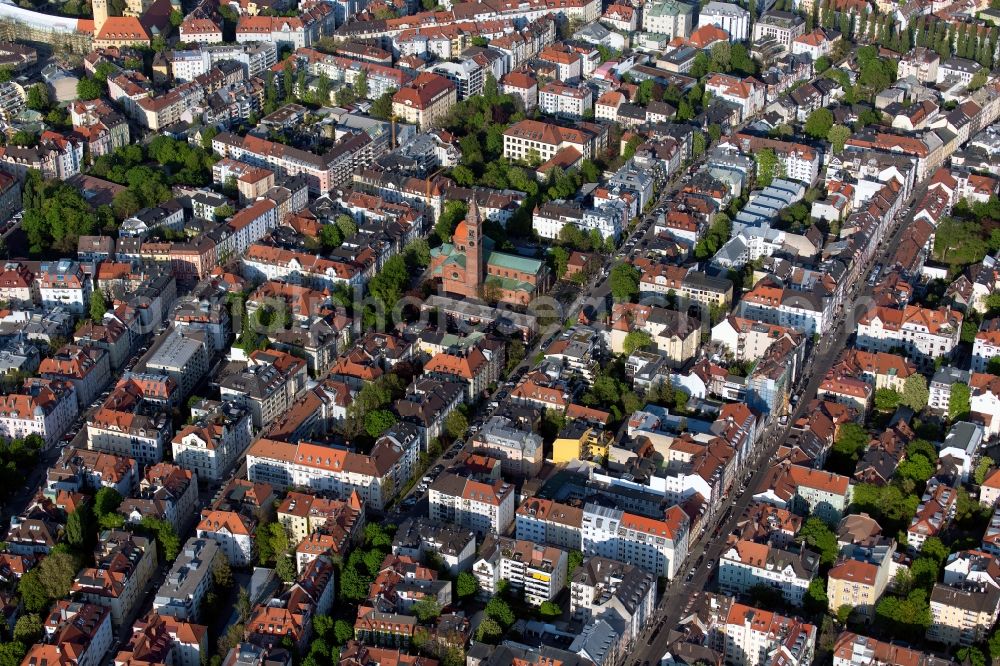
474, 247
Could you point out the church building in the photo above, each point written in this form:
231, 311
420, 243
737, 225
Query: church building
470, 267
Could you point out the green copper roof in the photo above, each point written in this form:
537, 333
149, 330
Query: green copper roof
514, 262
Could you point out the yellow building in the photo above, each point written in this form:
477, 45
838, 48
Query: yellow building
581, 440
302, 514
425, 100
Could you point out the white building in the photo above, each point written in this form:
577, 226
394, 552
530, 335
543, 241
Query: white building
65, 284
44, 407
732, 18
986, 346
752, 637
558, 99
539, 571
658, 546
602, 587
748, 564
376, 477
668, 17
479, 506
210, 446
922, 333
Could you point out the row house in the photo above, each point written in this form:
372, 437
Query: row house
56, 157
166, 492
538, 571
264, 262
658, 546
73, 628
924, 334
265, 385
376, 477
42, 407
124, 564
545, 521
162, 639
750, 636
799, 162
746, 565
86, 368
481, 506
799, 488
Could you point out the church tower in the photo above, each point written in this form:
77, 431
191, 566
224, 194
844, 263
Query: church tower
100, 9
474, 249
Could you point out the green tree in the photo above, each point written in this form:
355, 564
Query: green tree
624, 280
342, 632
915, 392
822, 64
851, 442
819, 123
28, 629
887, 399
959, 402
549, 609
38, 97
983, 468
285, 568
382, 107
426, 609
98, 306
12, 653
768, 166
34, 596
348, 227
466, 585
106, 501
697, 143
57, 572
489, 631
838, 136
378, 422
636, 340
80, 528
499, 610
417, 254
815, 601
456, 424
167, 541
88, 88
820, 538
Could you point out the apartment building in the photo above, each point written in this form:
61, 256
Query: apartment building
534, 140
86, 368
303, 514
799, 488
183, 356
780, 27
481, 506
63, 283
668, 17
425, 101
187, 65
188, 581
210, 445
658, 546
376, 477
936, 510
133, 422
42, 407
798, 161
749, 636
417, 537
922, 333
748, 564
519, 451
558, 99
549, 219
123, 565
603, 588
962, 615
266, 384
73, 628
735, 20
676, 335
83, 470
746, 94
986, 346
547, 522
855, 650
166, 492
539, 572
